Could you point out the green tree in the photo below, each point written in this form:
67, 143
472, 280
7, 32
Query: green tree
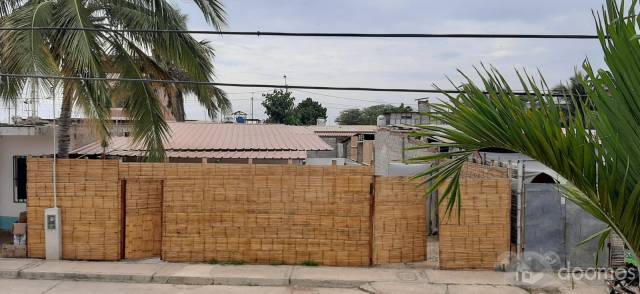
575, 93
279, 107
351, 116
309, 111
368, 115
100, 53
598, 153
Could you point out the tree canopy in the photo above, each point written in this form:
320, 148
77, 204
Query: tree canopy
309, 111
368, 115
280, 109
575, 94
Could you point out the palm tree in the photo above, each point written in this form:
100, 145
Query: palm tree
172, 95
99, 53
599, 154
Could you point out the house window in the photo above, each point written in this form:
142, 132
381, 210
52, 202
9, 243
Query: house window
369, 136
19, 179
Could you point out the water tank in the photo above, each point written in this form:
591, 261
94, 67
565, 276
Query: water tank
381, 121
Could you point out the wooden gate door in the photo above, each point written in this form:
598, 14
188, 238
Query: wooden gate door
143, 219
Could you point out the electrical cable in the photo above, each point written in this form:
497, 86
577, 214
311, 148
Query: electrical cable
306, 34
399, 90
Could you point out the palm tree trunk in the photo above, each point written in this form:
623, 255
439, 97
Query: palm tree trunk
64, 124
177, 106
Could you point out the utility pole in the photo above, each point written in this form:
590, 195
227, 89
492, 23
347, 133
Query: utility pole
251, 105
286, 87
34, 93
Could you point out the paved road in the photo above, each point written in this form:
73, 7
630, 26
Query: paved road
24, 286
70, 287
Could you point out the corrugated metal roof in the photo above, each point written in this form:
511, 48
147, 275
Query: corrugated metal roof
286, 154
223, 141
335, 134
211, 136
344, 128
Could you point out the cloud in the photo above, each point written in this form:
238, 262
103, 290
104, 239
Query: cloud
412, 63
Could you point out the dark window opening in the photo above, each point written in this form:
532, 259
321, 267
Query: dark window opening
496, 150
368, 136
543, 178
19, 179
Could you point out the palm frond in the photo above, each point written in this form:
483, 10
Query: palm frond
597, 151
141, 104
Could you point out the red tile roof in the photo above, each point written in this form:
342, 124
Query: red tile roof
190, 139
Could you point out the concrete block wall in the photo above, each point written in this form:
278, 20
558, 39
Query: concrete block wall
391, 147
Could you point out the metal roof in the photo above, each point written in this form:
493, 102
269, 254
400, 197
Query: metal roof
286, 154
344, 128
335, 134
223, 141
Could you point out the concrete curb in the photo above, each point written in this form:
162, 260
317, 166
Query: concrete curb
250, 275
102, 277
11, 267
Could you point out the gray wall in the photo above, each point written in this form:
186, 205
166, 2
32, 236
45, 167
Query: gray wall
581, 225
408, 118
553, 225
544, 232
390, 147
333, 142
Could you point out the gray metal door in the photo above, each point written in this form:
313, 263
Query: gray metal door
544, 226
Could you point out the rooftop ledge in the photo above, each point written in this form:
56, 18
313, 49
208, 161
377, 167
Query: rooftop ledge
23, 130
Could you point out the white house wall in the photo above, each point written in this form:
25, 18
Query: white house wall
11, 146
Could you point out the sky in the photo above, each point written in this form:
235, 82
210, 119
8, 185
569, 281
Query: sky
392, 63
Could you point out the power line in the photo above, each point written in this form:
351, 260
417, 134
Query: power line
26, 99
341, 97
304, 34
246, 92
206, 83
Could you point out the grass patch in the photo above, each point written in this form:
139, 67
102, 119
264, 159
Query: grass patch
310, 263
235, 262
276, 263
227, 262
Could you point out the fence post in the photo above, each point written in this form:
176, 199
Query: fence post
372, 212
123, 217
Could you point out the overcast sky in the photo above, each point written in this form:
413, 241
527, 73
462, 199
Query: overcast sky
411, 63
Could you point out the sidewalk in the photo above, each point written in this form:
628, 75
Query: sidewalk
370, 280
